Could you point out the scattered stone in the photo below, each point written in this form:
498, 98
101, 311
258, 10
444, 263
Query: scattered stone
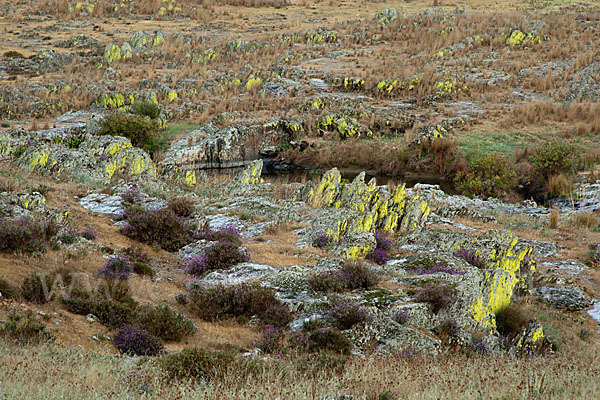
571, 299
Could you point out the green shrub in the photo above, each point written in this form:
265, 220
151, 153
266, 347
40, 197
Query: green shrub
37, 288
147, 108
165, 323
141, 268
490, 176
110, 304
74, 143
8, 291
554, 158
240, 301
25, 330
141, 130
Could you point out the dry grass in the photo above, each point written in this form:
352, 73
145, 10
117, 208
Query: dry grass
572, 375
554, 218
585, 219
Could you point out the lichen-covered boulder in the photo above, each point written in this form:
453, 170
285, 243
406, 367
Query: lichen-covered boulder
530, 341
250, 175
88, 157
112, 53
356, 245
364, 207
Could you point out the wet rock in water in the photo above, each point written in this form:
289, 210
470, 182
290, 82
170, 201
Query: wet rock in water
571, 299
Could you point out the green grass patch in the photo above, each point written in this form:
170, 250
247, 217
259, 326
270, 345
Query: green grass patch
173, 132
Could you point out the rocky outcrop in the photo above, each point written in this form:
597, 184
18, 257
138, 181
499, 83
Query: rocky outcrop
90, 157
363, 207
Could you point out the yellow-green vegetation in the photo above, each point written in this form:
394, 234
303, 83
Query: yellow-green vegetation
503, 277
518, 38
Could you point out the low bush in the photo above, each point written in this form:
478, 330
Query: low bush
8, 291
351, 275
182, 206
113, 311
321, 240
218, 256
147, 108
555, 158
25, 330
318, 338
448, 329
438, 267
117, 267
401, 316
143, 269
161, 228
131, 196
490, 176
164, 322
37, 288
271, 339
472, 257
227, 234
384, 244
440, 296
89, 234
240, 301
358, 275
344, 314
141, 130
68, 236
135, 341
327, 282
26, 234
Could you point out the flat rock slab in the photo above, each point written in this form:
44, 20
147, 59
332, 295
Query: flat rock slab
571, 299
572, 267
240, 273
102, 203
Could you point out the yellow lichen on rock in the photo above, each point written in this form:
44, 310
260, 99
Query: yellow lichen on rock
190, 178
499, 285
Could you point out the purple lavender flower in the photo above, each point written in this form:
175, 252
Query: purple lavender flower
135, 341
117, 267
270, 341
321, 240
439, 267
472, 257
89, 234
401, 316
196, 265
347, 313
